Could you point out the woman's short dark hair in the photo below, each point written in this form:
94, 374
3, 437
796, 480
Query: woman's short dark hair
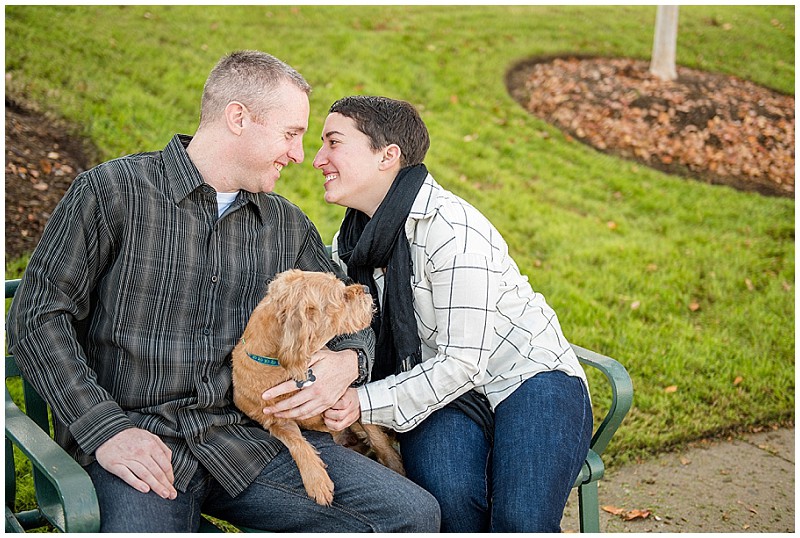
387, 121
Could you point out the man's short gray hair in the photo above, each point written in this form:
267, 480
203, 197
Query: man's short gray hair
247, 76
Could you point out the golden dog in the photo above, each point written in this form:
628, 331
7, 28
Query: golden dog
301, 312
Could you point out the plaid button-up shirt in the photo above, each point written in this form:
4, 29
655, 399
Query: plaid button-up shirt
481, 325
136, 295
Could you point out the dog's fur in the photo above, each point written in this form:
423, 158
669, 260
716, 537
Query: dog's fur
301, 312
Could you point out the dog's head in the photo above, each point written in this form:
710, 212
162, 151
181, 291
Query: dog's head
310, 308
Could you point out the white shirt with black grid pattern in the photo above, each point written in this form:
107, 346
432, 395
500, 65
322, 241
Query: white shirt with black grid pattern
481, 324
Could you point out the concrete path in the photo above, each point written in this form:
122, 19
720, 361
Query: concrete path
742, 484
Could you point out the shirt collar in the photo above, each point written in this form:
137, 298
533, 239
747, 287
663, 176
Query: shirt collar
425, 203
184, 177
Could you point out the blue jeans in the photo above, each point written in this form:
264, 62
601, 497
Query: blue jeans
521, 484
368, 498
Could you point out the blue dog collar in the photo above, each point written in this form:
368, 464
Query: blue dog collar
269, 361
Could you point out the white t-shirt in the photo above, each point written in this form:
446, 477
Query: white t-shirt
224, 200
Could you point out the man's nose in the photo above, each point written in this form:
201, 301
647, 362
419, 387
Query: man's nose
296, 154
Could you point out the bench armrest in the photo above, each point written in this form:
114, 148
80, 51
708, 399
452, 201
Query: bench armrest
621, 395
11, 287
65, 492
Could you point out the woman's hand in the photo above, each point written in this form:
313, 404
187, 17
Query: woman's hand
335, 371
344, 412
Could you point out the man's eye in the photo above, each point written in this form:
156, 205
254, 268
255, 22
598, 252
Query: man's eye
333, 142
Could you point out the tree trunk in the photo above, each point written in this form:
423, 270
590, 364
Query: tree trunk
662, 64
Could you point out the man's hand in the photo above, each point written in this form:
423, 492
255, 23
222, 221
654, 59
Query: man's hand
344, 412
141, 459
335, 372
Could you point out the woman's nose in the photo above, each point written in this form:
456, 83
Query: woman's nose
318, 159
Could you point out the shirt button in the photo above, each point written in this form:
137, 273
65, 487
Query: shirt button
214, 279
206, 331
205, 379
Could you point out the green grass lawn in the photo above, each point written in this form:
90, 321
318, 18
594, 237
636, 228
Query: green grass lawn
131, 76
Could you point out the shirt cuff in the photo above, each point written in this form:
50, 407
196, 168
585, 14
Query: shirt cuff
98, 425
353, 341
377, 403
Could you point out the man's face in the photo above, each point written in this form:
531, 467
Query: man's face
271, 143
350, 166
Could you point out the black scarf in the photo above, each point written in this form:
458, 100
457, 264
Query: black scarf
366, 244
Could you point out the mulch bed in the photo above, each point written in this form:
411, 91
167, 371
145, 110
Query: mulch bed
42, 159
715, 128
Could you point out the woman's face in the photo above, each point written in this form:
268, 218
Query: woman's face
350, 166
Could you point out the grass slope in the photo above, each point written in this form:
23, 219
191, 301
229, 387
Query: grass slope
691, 287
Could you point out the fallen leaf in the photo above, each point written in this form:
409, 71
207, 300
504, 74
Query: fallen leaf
671, 389
635, 305
738, 380
685, 460
749, 508
636, 514
749, 284
694, 306
613, 510
46, 166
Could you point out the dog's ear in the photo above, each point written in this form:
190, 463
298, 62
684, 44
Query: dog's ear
301, 334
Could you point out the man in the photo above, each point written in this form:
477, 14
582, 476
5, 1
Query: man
130, 306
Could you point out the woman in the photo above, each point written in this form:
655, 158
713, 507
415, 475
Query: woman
471, 364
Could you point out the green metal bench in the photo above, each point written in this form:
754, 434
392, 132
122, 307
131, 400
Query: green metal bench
65, 497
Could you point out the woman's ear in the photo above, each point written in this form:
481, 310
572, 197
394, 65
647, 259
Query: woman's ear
234, 117
391, 157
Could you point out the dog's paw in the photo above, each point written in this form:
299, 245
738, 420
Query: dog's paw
321, 490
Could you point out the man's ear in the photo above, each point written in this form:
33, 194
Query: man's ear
234, 117
391, 157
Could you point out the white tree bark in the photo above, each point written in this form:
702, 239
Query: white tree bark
662, 63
